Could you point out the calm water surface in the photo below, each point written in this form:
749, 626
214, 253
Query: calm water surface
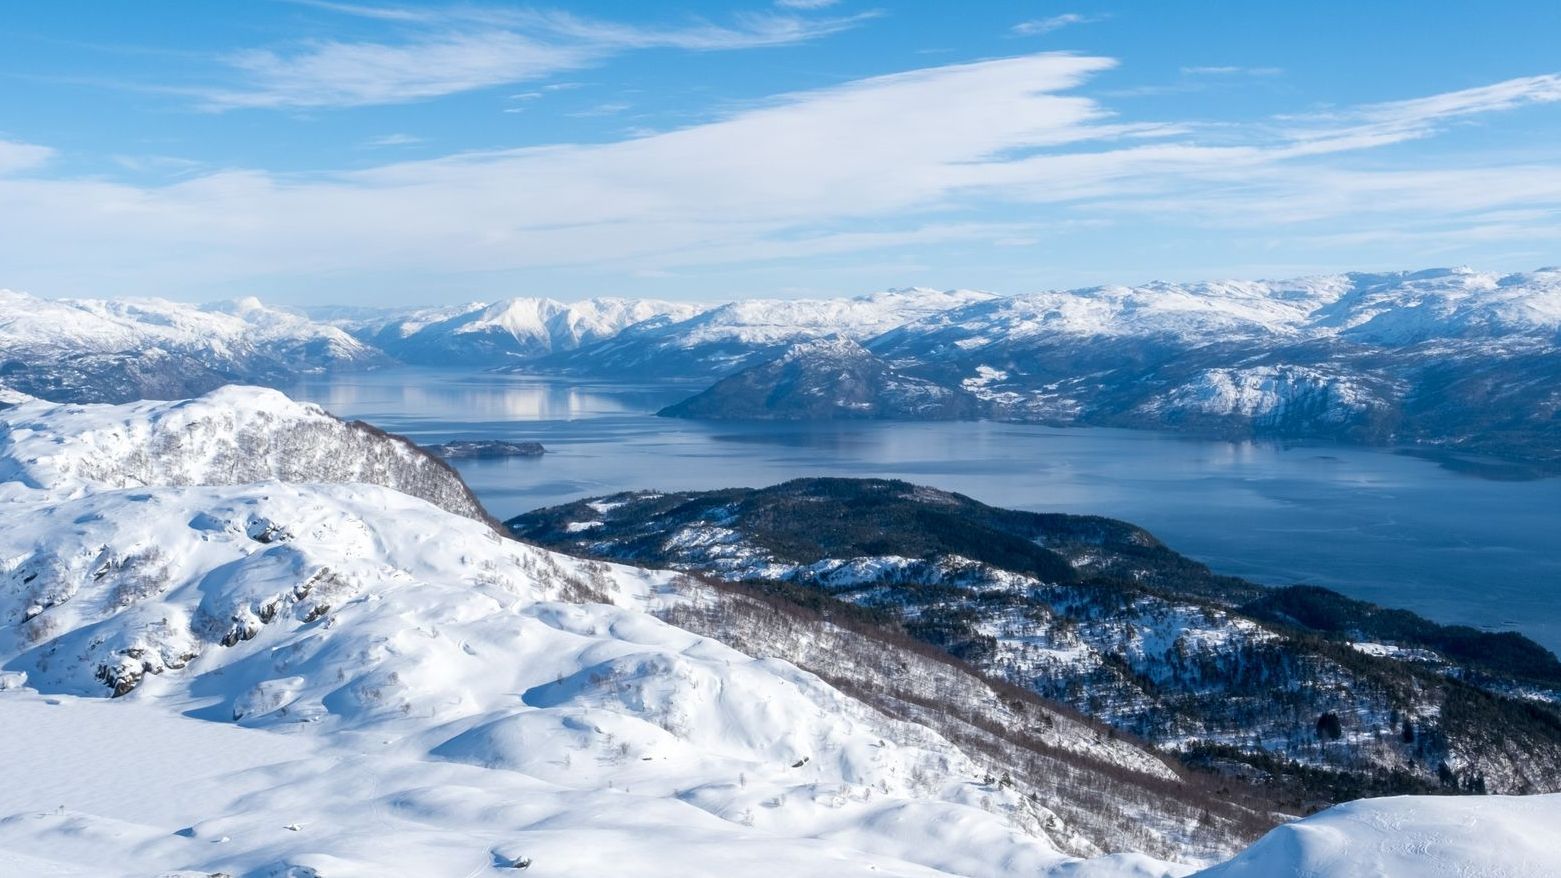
1384, 527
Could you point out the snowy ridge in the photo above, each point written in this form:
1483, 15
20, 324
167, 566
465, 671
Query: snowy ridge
1425, 837
1445, 359
1392, 309
102, 350
233, 435
508, 330
729, 337
769, 321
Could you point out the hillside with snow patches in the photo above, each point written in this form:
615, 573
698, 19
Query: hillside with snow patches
1100, 615
251, 657
826, 379
95, 350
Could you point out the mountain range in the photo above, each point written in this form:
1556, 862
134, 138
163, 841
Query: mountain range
1446, 360
1451, 362
94, 350
505, 332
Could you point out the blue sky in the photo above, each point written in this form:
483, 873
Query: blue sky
367, 153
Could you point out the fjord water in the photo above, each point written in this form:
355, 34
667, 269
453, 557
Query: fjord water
1388, 528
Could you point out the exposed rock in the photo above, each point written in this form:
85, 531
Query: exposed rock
826, 379
485, 449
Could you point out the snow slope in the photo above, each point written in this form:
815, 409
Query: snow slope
508, 330
341, 679
729, 337
113, 351
1413, 837
232, 435
1393, 309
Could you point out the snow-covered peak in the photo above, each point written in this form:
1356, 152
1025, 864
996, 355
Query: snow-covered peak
1448, 303
233, 435
827, 349
9, 397
92, 325
1195, 310
137, 348
768, 321
1420, 836
241, 307
525, 327
1390, 309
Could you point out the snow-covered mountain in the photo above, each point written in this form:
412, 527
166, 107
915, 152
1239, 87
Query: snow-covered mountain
1423, 837
727, 338
1450, 359
826, 379
266, 650
324, 676
1395, 308
114, 351
233, 435
1098, 614
1443, 360
504, 332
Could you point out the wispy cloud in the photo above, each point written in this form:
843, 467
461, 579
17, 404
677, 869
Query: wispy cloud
394, 140
611, 108
15, 156
1232, 71
360, 10
805, 4
1505, 95
467, 48
901, 160
1038, 26
1397, 121
335, 74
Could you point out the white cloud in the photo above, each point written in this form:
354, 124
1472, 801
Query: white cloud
909, 159
16, 156
611, 108
394, 140
806, 4
382, 13
334, 74
468, 48
1038, 26
1397, 121
1232, 71
749, 31
1506, 95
